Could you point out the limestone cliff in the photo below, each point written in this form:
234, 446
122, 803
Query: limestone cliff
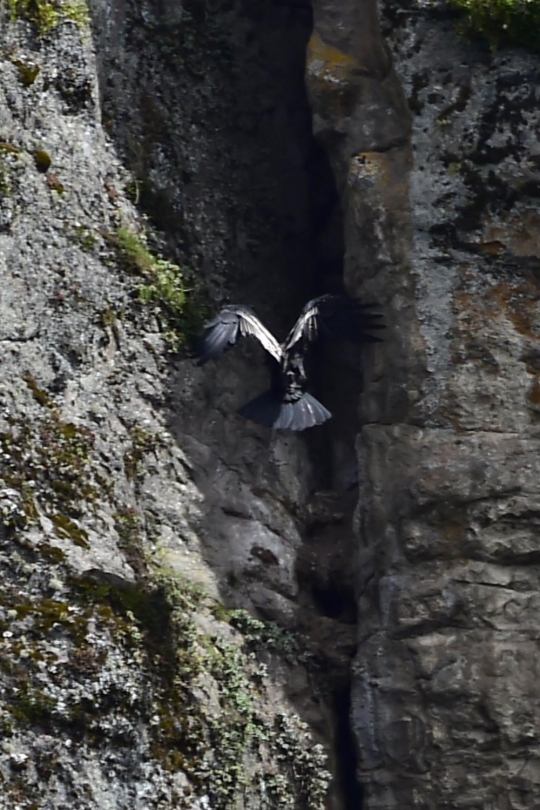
179, 607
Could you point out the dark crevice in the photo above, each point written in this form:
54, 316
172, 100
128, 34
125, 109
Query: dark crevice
213, 121
324, 572
326, 222
346, 754
335, 603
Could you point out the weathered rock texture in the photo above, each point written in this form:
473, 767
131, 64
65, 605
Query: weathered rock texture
135, 503
139, 513
441, 222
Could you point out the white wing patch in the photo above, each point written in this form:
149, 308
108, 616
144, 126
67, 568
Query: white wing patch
251, 325
223, 331
307, 326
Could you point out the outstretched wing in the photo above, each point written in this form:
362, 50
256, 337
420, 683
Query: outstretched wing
223, 331
336, 317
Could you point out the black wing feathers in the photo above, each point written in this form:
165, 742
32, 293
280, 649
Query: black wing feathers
346, 319
288, 405
223, 331
219, 335
336, 317
270, 410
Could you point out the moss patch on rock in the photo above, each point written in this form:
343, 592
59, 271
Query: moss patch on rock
515, 22
146, 665
174, 295
47, 462
220, 730
47, 14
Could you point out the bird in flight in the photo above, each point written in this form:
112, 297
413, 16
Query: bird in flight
288, 405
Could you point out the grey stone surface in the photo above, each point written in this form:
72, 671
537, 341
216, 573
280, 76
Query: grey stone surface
440, 226
139, 513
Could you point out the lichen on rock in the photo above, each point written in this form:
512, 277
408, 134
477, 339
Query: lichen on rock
136, 530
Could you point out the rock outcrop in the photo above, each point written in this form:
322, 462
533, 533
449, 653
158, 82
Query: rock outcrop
157, 649
440, 208
179, 609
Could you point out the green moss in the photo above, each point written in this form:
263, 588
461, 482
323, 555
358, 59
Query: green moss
515, 22
38, 393
27, 73
142, 442
128, 525
145, 603
132, 252
84, 237
129, 529
9, 148
41, 12
48, 463
25, 657
203, 700
68, 529
265, 635
171, 291
186, 731
7, 726
130, 618
40, 616
166, 287
47, 14
52, 553
31, 706
6, 188
132, 190
108, 317
238, 727
77, 11
42, 160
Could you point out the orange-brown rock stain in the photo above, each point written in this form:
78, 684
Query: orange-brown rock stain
333, 76
329, 62
519, 303
519, 234
454, 531
534, 394
375, 165
441, 536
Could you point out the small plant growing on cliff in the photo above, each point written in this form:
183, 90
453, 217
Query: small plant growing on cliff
164, 286
513, 21
167, 286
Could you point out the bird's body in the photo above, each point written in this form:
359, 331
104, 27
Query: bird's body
288, 405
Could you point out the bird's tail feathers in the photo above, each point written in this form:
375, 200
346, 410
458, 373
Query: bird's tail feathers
271, 410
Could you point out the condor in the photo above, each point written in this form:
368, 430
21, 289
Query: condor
288, 405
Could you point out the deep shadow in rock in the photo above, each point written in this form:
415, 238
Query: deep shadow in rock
209, 113
346, 751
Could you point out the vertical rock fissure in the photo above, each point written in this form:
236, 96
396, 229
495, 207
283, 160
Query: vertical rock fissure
346, 752
362, 119
146, 479
324, 567
449, 243
215, 125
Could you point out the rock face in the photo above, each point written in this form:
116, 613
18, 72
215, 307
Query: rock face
177, 608
139, 513
440, 209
